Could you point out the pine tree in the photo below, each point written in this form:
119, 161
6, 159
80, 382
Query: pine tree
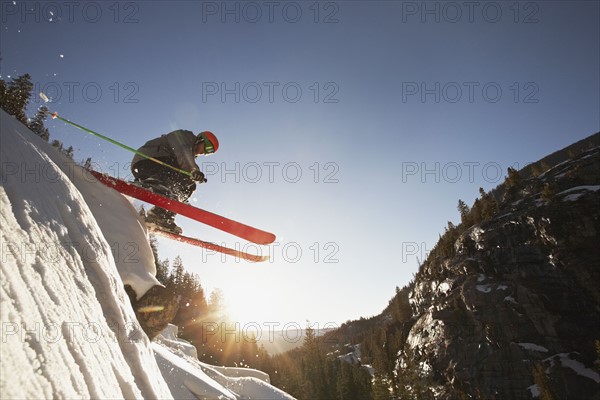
345, 382
192, 302
541, 380
3, 94
513, 177
15, 97
477, 211
548, 192
489, 206
411, 383
178, 272
401, 311
69, 151
446, 245
36, 124
312, 366
58, 144
512, 184
536, 170
381, 389
464, 211
216, 304
162, 267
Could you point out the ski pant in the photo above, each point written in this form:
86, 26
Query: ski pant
180, 186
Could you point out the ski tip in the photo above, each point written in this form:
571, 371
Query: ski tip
263, 239
253, 258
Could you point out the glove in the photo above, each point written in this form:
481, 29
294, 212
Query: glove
198, 176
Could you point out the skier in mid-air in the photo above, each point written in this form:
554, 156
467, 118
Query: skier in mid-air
178, 149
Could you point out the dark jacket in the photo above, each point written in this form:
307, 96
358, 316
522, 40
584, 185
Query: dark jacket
175, 147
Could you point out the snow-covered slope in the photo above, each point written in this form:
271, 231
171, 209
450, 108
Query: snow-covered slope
67, 247
190, 376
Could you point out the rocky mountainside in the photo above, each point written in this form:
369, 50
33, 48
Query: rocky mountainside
507, 304
512, 310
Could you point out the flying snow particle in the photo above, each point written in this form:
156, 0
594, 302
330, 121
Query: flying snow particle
62, 56
44, 97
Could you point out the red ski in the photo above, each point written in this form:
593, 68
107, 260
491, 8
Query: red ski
211, 246
206, 217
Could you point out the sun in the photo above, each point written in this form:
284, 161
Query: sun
254, 297
246, 306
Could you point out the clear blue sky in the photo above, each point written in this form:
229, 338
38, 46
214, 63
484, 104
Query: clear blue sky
350, 129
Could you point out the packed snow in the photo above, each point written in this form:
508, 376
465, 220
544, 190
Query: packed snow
68, 245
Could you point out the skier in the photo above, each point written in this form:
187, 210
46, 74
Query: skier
178, 149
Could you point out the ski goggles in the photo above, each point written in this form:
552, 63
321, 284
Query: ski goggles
209, 148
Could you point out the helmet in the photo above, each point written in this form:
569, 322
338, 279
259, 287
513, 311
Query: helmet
211, 143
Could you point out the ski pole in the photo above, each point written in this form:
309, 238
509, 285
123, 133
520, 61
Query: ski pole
55, 115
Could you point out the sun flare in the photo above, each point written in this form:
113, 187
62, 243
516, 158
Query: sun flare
246, 308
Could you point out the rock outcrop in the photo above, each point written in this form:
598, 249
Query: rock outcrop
514, 313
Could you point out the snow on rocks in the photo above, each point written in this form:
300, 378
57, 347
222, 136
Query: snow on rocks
533, 347
476, 234
487, 288
186, 381
576, 192
534, 390
445, 286
510, 299
421, 292
484, 288
353, 356
426, 333
189, 378
567, 362
169, 338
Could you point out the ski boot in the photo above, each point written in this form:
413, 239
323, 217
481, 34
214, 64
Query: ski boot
163, 220
155, 309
